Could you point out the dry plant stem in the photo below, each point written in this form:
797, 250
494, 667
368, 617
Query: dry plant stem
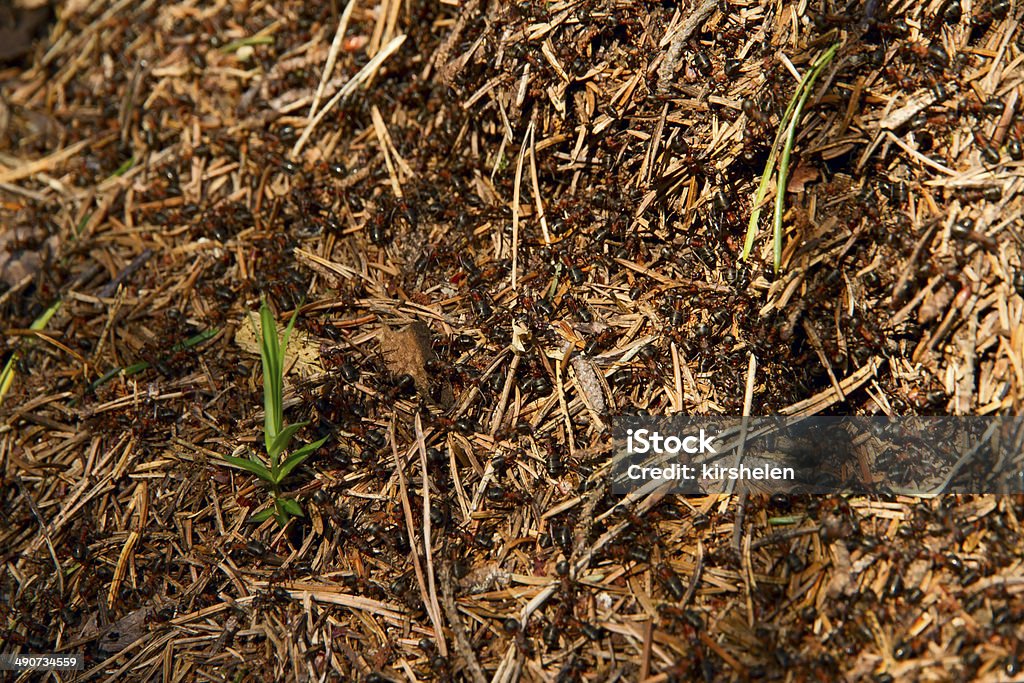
538, 200
691, 589
499, 412
516, 191
30, 168
741, 504
670, 62
442, 644
332, 57
462, 644
410, 526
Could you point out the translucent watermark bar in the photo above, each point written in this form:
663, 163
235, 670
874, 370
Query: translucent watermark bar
918, 456
41, 662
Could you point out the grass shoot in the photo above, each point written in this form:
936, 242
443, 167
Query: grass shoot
787, 130
276, 435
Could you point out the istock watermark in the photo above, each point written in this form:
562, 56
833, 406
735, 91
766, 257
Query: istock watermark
705, 472
647, 441
897, 455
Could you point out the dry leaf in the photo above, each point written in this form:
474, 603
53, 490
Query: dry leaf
17, 263
126, 630
801, 176
935, 304
484, 579
407, 351
588, 383
521, 337
303, 353
20, 26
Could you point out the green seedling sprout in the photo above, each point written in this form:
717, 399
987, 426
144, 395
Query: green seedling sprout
787, 128
276, 434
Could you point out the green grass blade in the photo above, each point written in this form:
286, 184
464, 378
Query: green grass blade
82, 223
280, 514
136, 368
807, 87
259, 469
780, 191
270, 354
769, 166
234, 45
281, 440
292, 507
123, 168
784, 124
296, 458
782, 521
7, 375
263, 515
762, 188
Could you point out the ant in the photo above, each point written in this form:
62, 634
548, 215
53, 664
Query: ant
511, 626
502, 497
670, 581
691, 164
996, 11
933, 53
80, 547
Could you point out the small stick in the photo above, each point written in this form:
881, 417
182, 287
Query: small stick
410, 527
442, 646
499, 412
332, 56
645, 655
362, 76
909, 269
538, 200
920, 157
111, 287
829, 397
1009, 109
783, 536
42, 525
462, 643
812, 337
741, 504
695, 20
515, 206
30, 168
691, 590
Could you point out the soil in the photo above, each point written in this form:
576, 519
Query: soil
499, 226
